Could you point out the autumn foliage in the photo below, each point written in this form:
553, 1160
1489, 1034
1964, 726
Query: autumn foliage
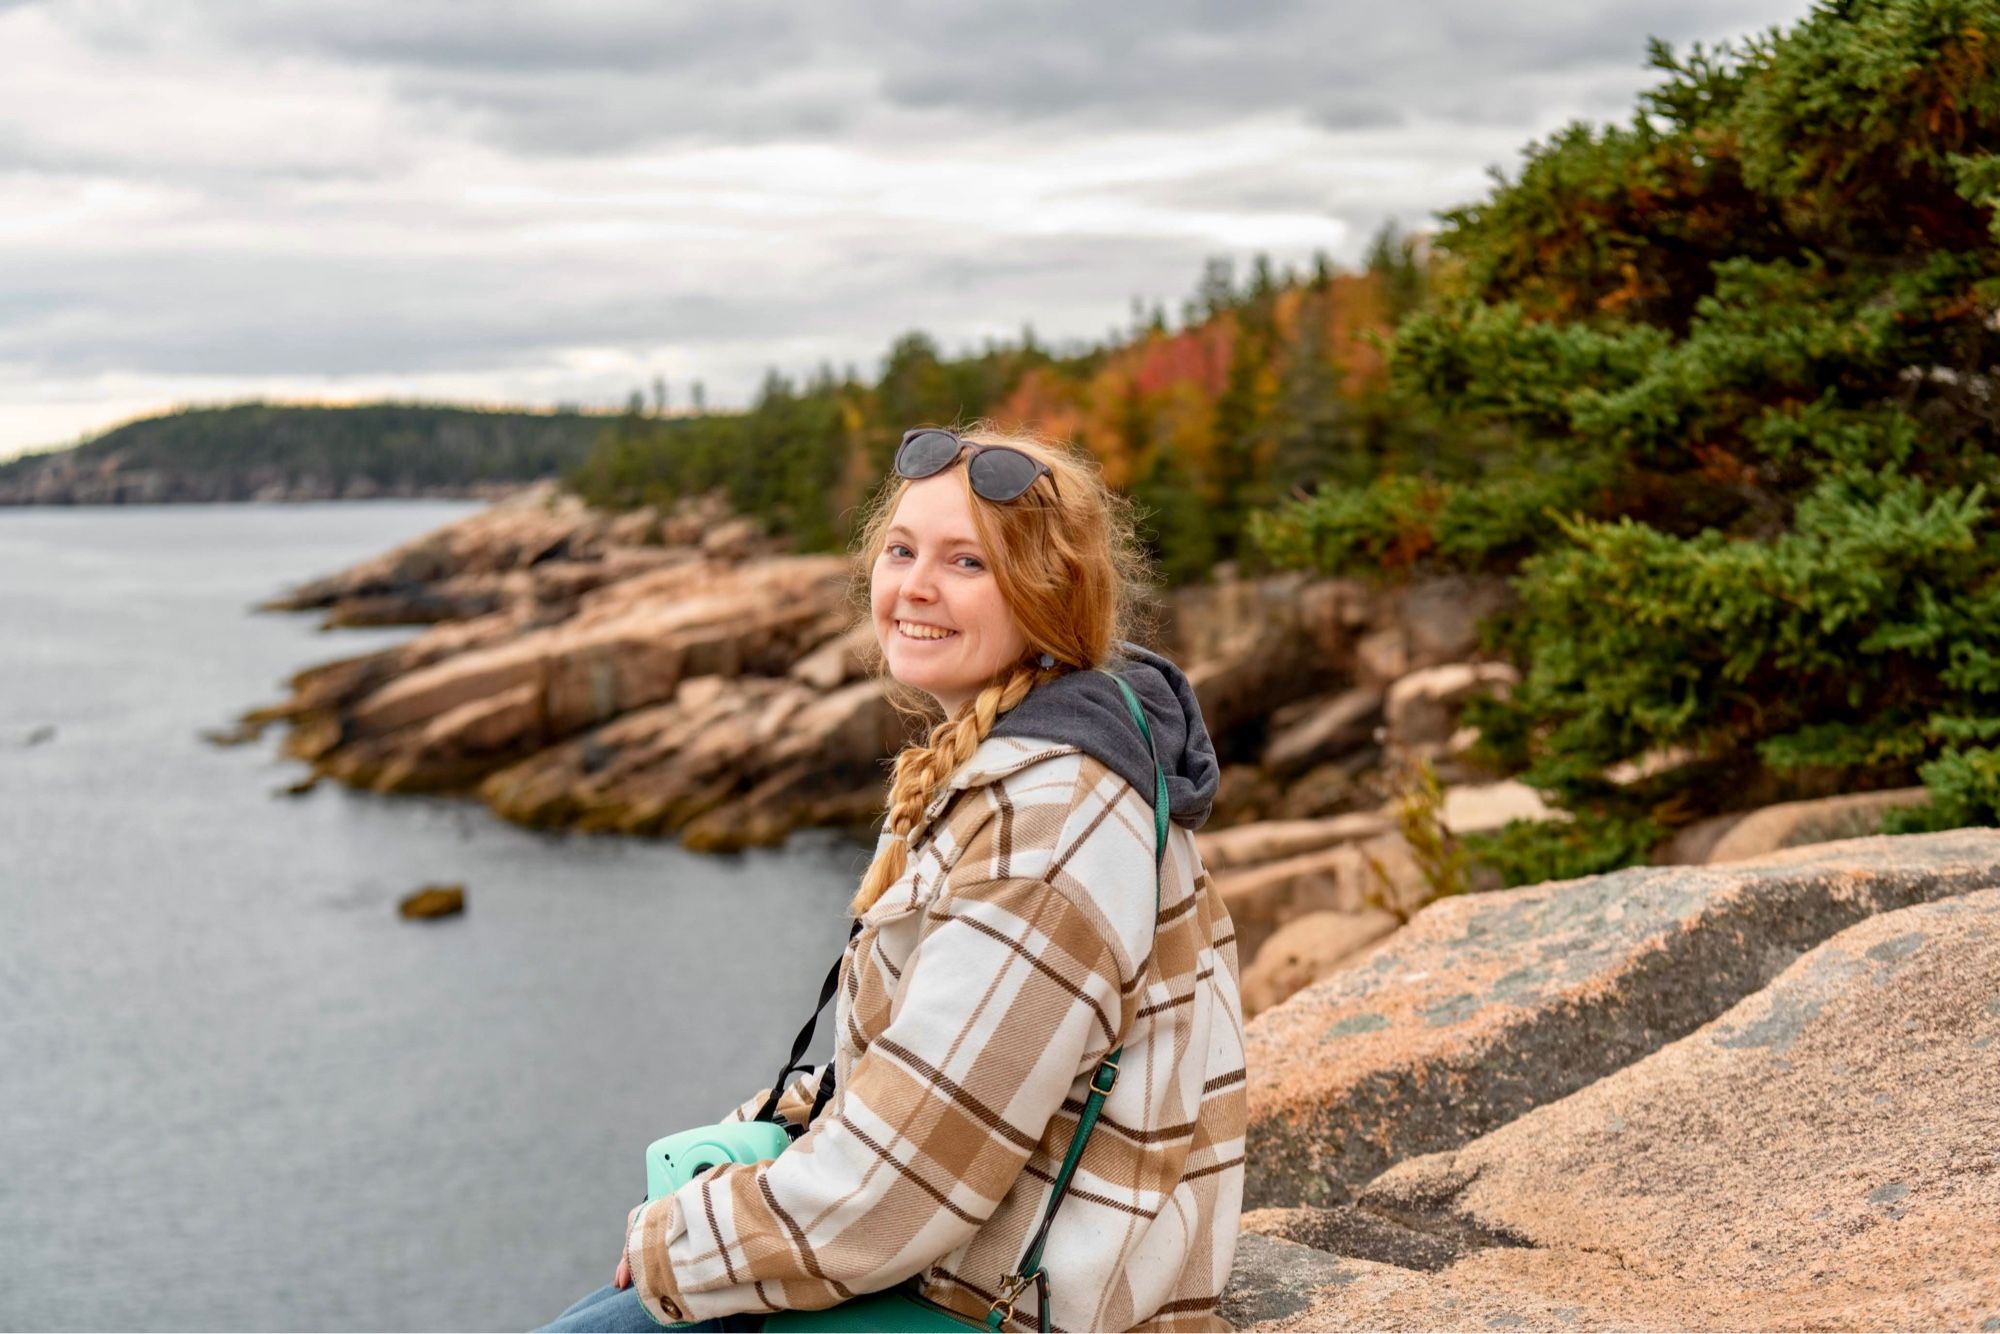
1270, 387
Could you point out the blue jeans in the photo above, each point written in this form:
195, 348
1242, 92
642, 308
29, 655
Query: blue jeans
618, 1312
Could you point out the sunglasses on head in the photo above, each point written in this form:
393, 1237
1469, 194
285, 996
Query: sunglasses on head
997, 472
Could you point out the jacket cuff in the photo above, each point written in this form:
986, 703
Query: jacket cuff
658, 1224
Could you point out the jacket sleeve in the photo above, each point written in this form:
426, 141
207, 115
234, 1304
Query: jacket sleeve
1011, 995
794, 1104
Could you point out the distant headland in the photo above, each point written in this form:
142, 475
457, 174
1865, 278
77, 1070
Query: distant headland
289, 452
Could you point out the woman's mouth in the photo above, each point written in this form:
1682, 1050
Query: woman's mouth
911, 630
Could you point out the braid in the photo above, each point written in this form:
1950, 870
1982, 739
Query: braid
922, 770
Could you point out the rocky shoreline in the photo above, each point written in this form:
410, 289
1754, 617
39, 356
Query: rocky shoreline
681, 674
1749, 1087
684, 675
63, 482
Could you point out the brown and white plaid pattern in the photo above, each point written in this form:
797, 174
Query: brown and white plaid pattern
980, 994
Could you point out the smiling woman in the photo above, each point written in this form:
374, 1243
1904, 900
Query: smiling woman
1035, 921
976, 600
940, 619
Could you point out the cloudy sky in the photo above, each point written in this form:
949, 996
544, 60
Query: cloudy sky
555, 201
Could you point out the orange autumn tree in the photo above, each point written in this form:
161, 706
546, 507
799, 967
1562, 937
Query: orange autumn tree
1273, 391
1270, 388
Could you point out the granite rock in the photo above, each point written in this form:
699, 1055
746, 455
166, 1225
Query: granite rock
1487, 1006
1793, 824
1421, 709
1308, 948
1825, 1155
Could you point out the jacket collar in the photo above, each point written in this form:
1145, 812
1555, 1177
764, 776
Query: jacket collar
994, 759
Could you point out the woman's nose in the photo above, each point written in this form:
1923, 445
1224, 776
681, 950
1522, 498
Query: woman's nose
920, 581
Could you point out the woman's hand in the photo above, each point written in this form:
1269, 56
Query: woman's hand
621, 1277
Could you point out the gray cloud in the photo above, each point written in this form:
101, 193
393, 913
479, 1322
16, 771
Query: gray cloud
551, 197
608, 76
276, 315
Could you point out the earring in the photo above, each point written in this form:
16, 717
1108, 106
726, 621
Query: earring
1048, 660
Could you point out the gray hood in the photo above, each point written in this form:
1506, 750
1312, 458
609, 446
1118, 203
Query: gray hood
1085, 709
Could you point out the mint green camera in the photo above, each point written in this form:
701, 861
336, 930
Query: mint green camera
678, 1159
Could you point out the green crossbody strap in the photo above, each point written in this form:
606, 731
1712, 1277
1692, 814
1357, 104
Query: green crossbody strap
1107, 1071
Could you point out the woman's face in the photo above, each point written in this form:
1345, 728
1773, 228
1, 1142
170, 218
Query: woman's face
934, 575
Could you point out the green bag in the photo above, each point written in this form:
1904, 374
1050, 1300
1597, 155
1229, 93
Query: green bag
903, 1307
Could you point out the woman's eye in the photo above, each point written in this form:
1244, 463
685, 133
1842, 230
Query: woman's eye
975, 562
898, 549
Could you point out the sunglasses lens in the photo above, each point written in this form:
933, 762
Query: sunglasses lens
925, 453
1002, 474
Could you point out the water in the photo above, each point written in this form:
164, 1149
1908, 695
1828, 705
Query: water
236, 1090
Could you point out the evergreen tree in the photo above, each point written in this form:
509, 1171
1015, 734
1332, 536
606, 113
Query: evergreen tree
1727, 374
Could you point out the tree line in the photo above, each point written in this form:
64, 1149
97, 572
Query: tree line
1272, 384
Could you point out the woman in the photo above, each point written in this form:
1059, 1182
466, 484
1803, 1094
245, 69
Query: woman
1008, 941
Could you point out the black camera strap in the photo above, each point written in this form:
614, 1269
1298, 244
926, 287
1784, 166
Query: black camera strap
769, 1111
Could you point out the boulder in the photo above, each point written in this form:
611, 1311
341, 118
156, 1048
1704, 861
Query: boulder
1793, 824
732, 540
1308, 948
1276, 1282
615, 655
1251, 646
1247, 678
1279, 1284
1422, 707
693, 517
1396, 879
1245, 794
649, 771
1382, 656
1483, 807
1327, 791
844, 657
1323, 728
1270, 840
1331, 612
727, 763
1486, 1006
635, 528
1212, 620
1819, 1156
1651, 764
1691, 844
432, 901
1354, 1234
537, 523
1441, 616
456, 599
1262, 898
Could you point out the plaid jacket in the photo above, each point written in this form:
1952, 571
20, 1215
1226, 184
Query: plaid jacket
1018, 949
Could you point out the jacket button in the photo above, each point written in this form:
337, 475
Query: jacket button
667, 1306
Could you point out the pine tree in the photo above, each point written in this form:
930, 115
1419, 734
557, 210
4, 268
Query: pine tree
1729, 374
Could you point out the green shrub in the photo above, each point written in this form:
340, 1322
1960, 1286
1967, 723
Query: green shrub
1528, 852
1745, 351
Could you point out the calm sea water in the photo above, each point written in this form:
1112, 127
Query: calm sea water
236, 1091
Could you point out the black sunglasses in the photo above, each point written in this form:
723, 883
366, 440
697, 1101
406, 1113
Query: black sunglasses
998, 473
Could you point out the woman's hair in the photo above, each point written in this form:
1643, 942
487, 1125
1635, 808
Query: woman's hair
1069, 568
